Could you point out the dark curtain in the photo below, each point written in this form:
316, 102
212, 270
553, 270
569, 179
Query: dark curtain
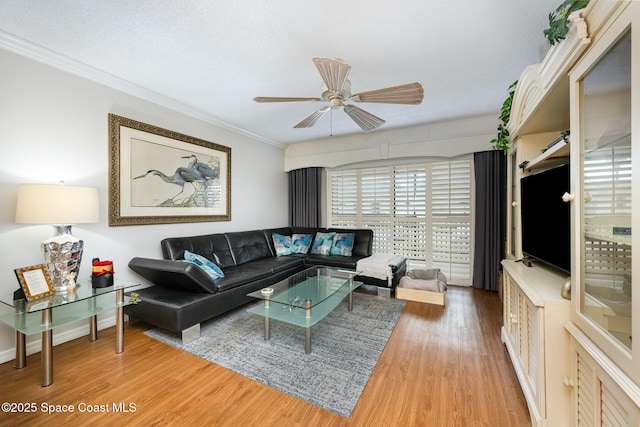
305, 186
491, 217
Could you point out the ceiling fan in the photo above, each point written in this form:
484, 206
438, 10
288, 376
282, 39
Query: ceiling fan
336, 91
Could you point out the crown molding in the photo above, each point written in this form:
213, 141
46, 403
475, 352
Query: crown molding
46, 56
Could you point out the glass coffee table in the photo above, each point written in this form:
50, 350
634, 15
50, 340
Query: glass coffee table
305, 298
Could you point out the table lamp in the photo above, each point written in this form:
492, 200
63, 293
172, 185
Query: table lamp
61, 206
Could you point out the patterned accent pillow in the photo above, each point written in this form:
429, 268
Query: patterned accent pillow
343, 244
322, 243
282, 244
300, 243
209, 267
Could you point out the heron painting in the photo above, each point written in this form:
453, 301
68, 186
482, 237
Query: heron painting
201, 177
180, 177
165, 177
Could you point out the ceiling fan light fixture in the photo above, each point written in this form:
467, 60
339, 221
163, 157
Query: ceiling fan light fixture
411, 93
336, 90
364, 119
313, 118
334, 72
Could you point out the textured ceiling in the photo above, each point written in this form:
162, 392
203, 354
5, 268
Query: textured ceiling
216, 55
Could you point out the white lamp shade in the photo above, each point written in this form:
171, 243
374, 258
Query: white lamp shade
57, 204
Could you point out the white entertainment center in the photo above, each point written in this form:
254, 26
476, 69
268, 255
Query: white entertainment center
574, 355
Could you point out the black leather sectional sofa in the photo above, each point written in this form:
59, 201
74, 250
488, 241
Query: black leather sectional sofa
184, 295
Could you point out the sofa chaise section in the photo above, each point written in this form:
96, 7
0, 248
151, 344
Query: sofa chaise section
184, 295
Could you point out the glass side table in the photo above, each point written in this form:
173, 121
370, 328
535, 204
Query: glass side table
45, 314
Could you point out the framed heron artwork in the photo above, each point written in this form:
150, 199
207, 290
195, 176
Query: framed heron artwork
157, 176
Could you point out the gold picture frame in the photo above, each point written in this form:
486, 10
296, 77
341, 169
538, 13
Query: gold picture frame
35, 281
158, 176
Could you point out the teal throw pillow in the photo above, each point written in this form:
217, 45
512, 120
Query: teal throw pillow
208, 266
322, 243
343, 244
282, 244
300, 243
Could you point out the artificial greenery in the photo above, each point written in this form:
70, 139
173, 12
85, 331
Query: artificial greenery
559, 20
501, 142
557, 31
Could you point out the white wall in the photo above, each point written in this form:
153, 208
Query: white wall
53, 126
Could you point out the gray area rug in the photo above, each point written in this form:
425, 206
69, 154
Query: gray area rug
345, 349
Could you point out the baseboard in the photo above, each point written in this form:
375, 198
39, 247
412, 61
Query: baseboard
58, 338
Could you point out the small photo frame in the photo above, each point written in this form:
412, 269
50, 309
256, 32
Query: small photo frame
35, 281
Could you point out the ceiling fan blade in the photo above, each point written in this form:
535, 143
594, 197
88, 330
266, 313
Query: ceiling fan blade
282, 99
333, 71
312, 119
364, 119
411, 93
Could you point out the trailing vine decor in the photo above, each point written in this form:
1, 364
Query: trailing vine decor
559, 20
501, 142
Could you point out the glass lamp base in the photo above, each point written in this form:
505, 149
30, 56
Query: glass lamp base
62, 255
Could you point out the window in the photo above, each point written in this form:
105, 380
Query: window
422, 211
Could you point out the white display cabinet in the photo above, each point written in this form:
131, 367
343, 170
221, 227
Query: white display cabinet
605, 121
534, 310
579, 354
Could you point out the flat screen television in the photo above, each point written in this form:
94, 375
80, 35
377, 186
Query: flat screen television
546, 222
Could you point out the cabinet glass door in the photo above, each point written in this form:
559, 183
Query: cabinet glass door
606, 203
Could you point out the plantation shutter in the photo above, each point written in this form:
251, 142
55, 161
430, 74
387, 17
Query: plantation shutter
410, 209
451, 216
344, 199
421, 211
376, 202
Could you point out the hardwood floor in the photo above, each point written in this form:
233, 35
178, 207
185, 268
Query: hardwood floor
441, 367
